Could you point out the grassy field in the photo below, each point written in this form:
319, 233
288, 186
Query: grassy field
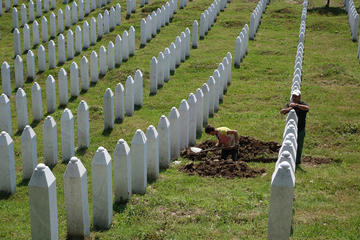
178, 206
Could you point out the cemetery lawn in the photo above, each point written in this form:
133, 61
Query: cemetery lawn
178, 206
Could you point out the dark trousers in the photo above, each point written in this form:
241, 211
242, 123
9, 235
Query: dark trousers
300, 144
226, 152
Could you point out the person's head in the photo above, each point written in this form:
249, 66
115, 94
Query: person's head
296, 96
209, 129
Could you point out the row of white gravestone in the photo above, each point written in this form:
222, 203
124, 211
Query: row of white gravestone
125, 100
241, 46
167, 61
283, 178
76, 13
152, 24
256, 16
7, 4
103, 25
353, 18
209, 16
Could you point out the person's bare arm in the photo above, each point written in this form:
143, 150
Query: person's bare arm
285, 110
300, 106
236, 137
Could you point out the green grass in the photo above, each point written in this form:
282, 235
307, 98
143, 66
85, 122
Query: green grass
178, 206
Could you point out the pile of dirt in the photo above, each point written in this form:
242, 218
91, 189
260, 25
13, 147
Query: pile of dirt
221, 168
316, 160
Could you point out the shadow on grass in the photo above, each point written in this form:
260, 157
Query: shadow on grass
23, 183
333, 11
107, 132
137, 107
93, 84
299, 168
4, 195
119, 206
18, 132
29, 80
34, 123
81, 151
119, 120
82, 92
72, 98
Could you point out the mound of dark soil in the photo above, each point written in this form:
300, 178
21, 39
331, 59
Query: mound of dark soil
316, 160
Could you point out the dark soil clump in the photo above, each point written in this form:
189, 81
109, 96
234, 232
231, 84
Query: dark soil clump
308, 160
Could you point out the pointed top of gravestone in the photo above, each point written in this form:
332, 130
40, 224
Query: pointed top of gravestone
61, 37
119, 87
35, 87
187, 31
93, 54
192, 99
138, 74
225, 61
18, 58
161, 56
28, 133
163, 122
52, 14
205, 88
60, 11
174, 113
69, 33
195, 23
43, 19
35, 23
172, 45
42, 177
67, 115
125, 34
143, 21
78, 29
154, 60
5, 139
108, 93
199, 93
49, 122
129, 81
102, 49
52, 43
229, 56
111, 44
288, 143
211, 81
139, 138
50, 78
167, 51
4, 99
73, 66
26, 26
20, 93
30, 54
84, 60
151, 133
290, 136
184, 106
83, 107
118, 38
100, 16
74, 169
5, 65
122, 148
285, 155
41, 48
283, 176
62, 73
102, 157
220, 68
85, 24
132, 29
93, 20
106, 12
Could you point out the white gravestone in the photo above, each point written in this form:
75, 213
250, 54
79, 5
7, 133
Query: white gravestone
74, 11
36, 102
229, 57
148, 28
106, 22
174, 119
93, 34
153, 75
122, 171
138, 158
76, 199
67, 135
5, 114
202, 26
52, 25
17, 43
153, 23
102, 60
30, 62
28, 152
19, 71
184, 124
74, 79
84, 73
193, 111
222, 82
94, 67
158, 20
61, 49
195, 34
102, 189
52, 54
187, 43
206, 91
129, 96
70, 45
138, 98
143, 31
83, 125
238, 47
87, 7
200, 111
286, 156
38, 8
85, 31
52, 4
67, 16
93, 5
27, 39
212, 95
118, 50
128, 8
21, 109
217, 91
44, 29
118, 14
15, 18
7, 5
31, 11
108, 109
60, 18
81, 10
160, 72
41, 58
100, 26
152, 143
125, 46
5, 78
131, 41
46, 6
112, 19
35, 29
111, 55
50, 141
167, 56
119, 102
281, 202
63, 87
43, 204
50, 94
178, 51
78, 40
7, 164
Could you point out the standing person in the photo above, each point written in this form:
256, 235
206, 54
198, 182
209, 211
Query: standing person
227, 139
301, 109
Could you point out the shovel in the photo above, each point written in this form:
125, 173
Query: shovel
198, 150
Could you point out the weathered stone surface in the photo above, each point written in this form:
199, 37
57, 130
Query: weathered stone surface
28, 151
17, 42
122, 171
67, 135
94, 67
84, 73
76, 199
102, 189
7, 164
138, 98
93, 34
128, 8
148, 28
103, 60
184, 110
119, 102
281, 202
78, 40
192, 101
202, 26
138, 157
164, 142
223, 81
70, 45
152, 137
50, 94
5, 114
175, 125
63, 87
125, 46
111, 55
200, 111
5, 78
108, 109
153, 23
43, 204
36, 102
50, 141
74, 79
52, 54
153, 75
61, 49
21, 109
19, 71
